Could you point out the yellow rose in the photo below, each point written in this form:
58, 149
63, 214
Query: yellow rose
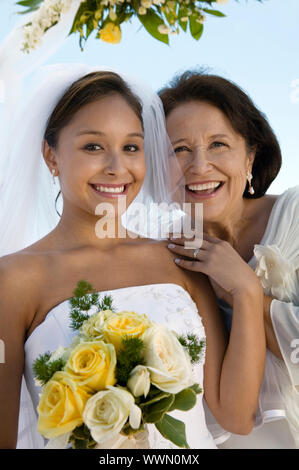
110, 33
92, 328
122, 324
92, 365
61, 406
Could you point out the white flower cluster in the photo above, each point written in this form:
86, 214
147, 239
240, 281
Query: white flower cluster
46, 16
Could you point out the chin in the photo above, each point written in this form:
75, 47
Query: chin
210, 214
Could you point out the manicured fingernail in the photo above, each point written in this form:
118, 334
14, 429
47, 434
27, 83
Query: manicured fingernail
177, 260
171, 245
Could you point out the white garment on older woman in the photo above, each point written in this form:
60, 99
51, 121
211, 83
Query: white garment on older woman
276, 262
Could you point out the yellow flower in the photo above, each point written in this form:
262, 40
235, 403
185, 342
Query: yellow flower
92, 328
110, 33
61, 406
122, 324
92, 365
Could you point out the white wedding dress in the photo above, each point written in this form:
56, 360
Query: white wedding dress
167, 304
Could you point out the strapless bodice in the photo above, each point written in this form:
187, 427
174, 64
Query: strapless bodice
168, 304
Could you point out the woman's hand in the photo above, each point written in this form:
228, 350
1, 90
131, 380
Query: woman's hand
229, 274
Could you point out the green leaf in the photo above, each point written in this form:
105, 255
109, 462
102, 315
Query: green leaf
173, 430
155, 413
196, 388
184, 401
32, 4
213, 12
196, 28
183, 12
151, 21
155, 399
80, 444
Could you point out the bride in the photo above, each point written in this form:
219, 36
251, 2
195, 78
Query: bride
103, 137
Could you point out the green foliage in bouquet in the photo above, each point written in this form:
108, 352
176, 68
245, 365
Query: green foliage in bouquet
158, 404
194, 348
44, 368
160, 18
128, 358
83, 300
81, 438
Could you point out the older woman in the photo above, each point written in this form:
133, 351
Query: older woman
230, 156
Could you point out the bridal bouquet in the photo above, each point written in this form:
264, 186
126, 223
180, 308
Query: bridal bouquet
121, 372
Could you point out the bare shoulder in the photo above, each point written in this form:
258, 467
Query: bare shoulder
21, 274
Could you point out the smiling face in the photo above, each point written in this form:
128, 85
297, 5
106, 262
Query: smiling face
99, 155
212, 156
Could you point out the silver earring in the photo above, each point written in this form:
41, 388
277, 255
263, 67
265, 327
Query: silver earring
53, 173
249, 178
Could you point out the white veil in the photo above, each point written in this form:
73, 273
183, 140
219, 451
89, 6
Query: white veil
27, 196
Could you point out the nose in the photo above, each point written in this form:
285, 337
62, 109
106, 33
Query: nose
114, 165
200, 162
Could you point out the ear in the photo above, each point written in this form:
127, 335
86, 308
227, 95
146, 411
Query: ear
50, 157
250, 160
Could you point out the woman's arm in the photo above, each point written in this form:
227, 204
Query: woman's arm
272, 343
234, 367
15, 305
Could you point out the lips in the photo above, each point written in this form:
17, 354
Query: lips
204, 189
110, 190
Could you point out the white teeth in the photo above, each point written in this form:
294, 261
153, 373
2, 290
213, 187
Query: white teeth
105, 189
201, 187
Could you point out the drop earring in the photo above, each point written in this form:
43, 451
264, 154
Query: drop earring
249, 178
53, 174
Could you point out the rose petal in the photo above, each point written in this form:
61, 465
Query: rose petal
135, 416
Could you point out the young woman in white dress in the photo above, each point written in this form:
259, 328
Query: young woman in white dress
98, 132
230, 156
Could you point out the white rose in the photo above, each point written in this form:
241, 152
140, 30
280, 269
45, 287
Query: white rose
139, 381
166, 359
274, 272
107, 411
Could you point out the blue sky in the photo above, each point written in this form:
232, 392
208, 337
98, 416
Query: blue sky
256, 46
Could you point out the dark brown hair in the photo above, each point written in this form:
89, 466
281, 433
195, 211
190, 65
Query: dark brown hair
244, 116
87, 89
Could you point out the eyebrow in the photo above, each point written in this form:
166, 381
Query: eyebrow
179, 140
99, 133
214, 136
218, 135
